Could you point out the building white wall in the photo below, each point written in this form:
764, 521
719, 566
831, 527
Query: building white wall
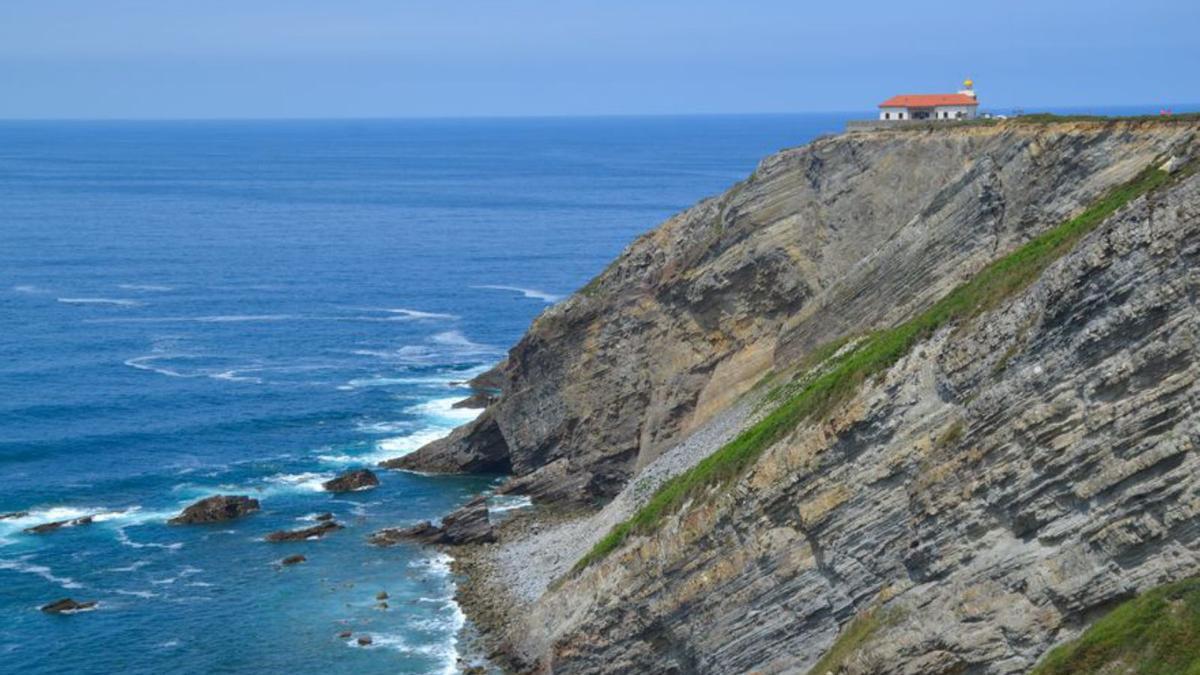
940, 113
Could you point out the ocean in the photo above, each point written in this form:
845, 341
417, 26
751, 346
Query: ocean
195, 308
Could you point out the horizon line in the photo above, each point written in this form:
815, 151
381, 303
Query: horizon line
554, 116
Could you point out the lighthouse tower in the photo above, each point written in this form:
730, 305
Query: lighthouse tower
968, 88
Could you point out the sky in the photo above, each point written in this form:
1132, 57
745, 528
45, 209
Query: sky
418, 58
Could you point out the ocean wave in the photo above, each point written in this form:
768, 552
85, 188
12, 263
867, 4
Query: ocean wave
149, 363
137, 594
443, 410
389, 448
309, 481
28, 289
417, 314
120, 302
157, 288
23, 565
506, 503
216, 318
533, 293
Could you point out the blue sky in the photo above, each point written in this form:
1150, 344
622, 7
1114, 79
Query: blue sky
393, 58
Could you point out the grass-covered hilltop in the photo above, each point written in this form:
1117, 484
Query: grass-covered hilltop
910, 400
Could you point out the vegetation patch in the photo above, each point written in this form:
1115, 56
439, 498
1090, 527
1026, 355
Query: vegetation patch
836, 380
1156, 633
852, 639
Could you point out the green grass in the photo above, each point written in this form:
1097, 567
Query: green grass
851, 640
1156, 633
872, 355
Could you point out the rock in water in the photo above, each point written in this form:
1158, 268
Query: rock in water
359, 479
49, 527
345, 635
381, 595
293, 560
67, 606
467, 525
364, 640
12, 515
325, 516
216, 509
423, 532
314, 532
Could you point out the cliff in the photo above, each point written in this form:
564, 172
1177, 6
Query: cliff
837, 237
976, 429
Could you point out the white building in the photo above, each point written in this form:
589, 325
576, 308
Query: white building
961, 106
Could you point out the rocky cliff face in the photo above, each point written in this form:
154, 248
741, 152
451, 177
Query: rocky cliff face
837, 237
986, 497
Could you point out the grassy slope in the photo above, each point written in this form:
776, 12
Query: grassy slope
871, 356
1156, 633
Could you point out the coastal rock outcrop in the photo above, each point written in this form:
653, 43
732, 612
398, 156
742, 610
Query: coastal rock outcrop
988, 494
838, 237
293, 560
68, 606
59, 524
468, 524
352, 481
314, 532
215, 509
477, 447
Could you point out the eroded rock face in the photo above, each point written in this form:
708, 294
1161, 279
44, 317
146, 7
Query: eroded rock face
841, 236
1000, 487
314, 532
352, 481
476, 447
216, 509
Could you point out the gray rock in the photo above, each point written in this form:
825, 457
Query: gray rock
216, 509
352, 481
998, 488
314, 532
59, 524
68, 606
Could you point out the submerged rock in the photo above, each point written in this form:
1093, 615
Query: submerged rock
293, 560
359, 479
216, 509
314, 532
381, 595
345, 635
325, 516
67, 606
12, 515
58, 524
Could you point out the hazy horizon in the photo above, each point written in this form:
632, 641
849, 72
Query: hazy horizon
373, 59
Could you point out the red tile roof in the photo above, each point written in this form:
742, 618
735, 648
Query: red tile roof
927, 100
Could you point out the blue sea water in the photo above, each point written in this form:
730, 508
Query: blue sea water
193, 308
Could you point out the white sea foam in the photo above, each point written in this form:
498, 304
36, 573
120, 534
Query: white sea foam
218, 318
506, 503
132, 567
533, 293
28, 289
309, 481
416, 314
138, 594
120, 302
442, 410
158, 288
23, 565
